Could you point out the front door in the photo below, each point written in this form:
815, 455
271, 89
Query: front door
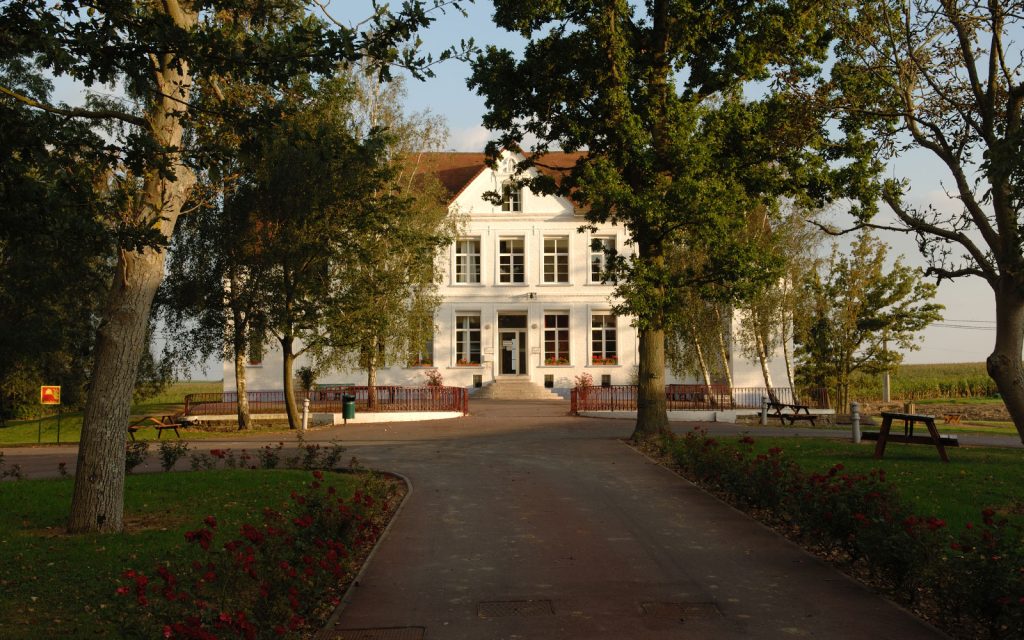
512, 344
513, 352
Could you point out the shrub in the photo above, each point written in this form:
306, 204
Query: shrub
202, 462
135, 453
270, 456
171, 452
434, 378
975, 576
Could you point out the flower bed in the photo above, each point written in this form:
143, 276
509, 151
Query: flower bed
970, 582
278, 576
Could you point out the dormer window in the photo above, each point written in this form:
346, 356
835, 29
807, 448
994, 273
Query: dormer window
511, 198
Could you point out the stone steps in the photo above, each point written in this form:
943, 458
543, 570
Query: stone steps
515, 390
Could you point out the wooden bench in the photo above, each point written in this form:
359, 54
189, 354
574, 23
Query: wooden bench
160, 424
883, 435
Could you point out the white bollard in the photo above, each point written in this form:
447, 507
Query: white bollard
305, 413
764, 411
855, 420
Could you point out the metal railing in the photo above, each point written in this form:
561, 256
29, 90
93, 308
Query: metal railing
691, 397
329, 400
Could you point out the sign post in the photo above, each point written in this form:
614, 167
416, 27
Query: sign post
49, 394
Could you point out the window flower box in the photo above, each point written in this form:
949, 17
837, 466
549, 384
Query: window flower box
555, 362
466, 363
607, 361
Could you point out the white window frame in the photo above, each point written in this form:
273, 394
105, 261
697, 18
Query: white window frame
463, 342
556, 357
511, 198
555, 258
511, 261
424, 356
600, 354
467, 267
598, 258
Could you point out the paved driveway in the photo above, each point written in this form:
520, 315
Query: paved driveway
546, 526
523, 522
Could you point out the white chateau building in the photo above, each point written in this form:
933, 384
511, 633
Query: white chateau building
522, 295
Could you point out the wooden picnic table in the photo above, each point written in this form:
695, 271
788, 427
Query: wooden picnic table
883, 435
791, 411
161, 424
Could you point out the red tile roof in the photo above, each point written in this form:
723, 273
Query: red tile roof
456, 169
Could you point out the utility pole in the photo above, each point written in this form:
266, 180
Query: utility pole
885, 374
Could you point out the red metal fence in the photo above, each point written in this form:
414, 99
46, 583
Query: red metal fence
329, 400
692, 397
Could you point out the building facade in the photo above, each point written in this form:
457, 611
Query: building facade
522, 293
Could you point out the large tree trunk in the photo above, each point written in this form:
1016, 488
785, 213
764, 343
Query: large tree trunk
1004, 365
240, 345
762, 356
702, 363
287, 364
371, 374
244, 419
723, 348
786, 333
98, 500
651, 410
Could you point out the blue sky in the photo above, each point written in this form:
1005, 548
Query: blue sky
969, 302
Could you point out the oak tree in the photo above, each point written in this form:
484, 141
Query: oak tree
653, 92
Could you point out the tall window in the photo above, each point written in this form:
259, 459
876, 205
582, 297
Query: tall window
603, 348
511, 260
422, 355
467, 260
556, 338
255, 350
467, 340
511, 198
556, 260
598, 257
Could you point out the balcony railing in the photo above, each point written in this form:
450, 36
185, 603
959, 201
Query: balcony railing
329, 400
691, 397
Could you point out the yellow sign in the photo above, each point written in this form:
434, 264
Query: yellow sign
49, 395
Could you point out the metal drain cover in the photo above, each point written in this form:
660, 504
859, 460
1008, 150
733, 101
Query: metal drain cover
515, 608
389, 633
681, 610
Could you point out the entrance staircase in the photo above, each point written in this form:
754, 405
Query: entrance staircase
515, 389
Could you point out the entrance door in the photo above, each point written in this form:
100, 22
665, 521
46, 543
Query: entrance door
512, 344
513, 352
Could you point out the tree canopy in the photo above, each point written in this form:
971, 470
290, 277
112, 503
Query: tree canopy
156, 52
946, 78
854, 309
675, 153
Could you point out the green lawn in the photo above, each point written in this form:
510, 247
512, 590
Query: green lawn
170, 401
58, 586
957, 491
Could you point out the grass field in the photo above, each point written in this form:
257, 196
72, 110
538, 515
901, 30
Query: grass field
60, 586
957, 491
170, 401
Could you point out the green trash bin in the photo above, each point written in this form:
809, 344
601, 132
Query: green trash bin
348, 406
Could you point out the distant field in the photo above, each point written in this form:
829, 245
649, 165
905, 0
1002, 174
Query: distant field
912, 382
170, 401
